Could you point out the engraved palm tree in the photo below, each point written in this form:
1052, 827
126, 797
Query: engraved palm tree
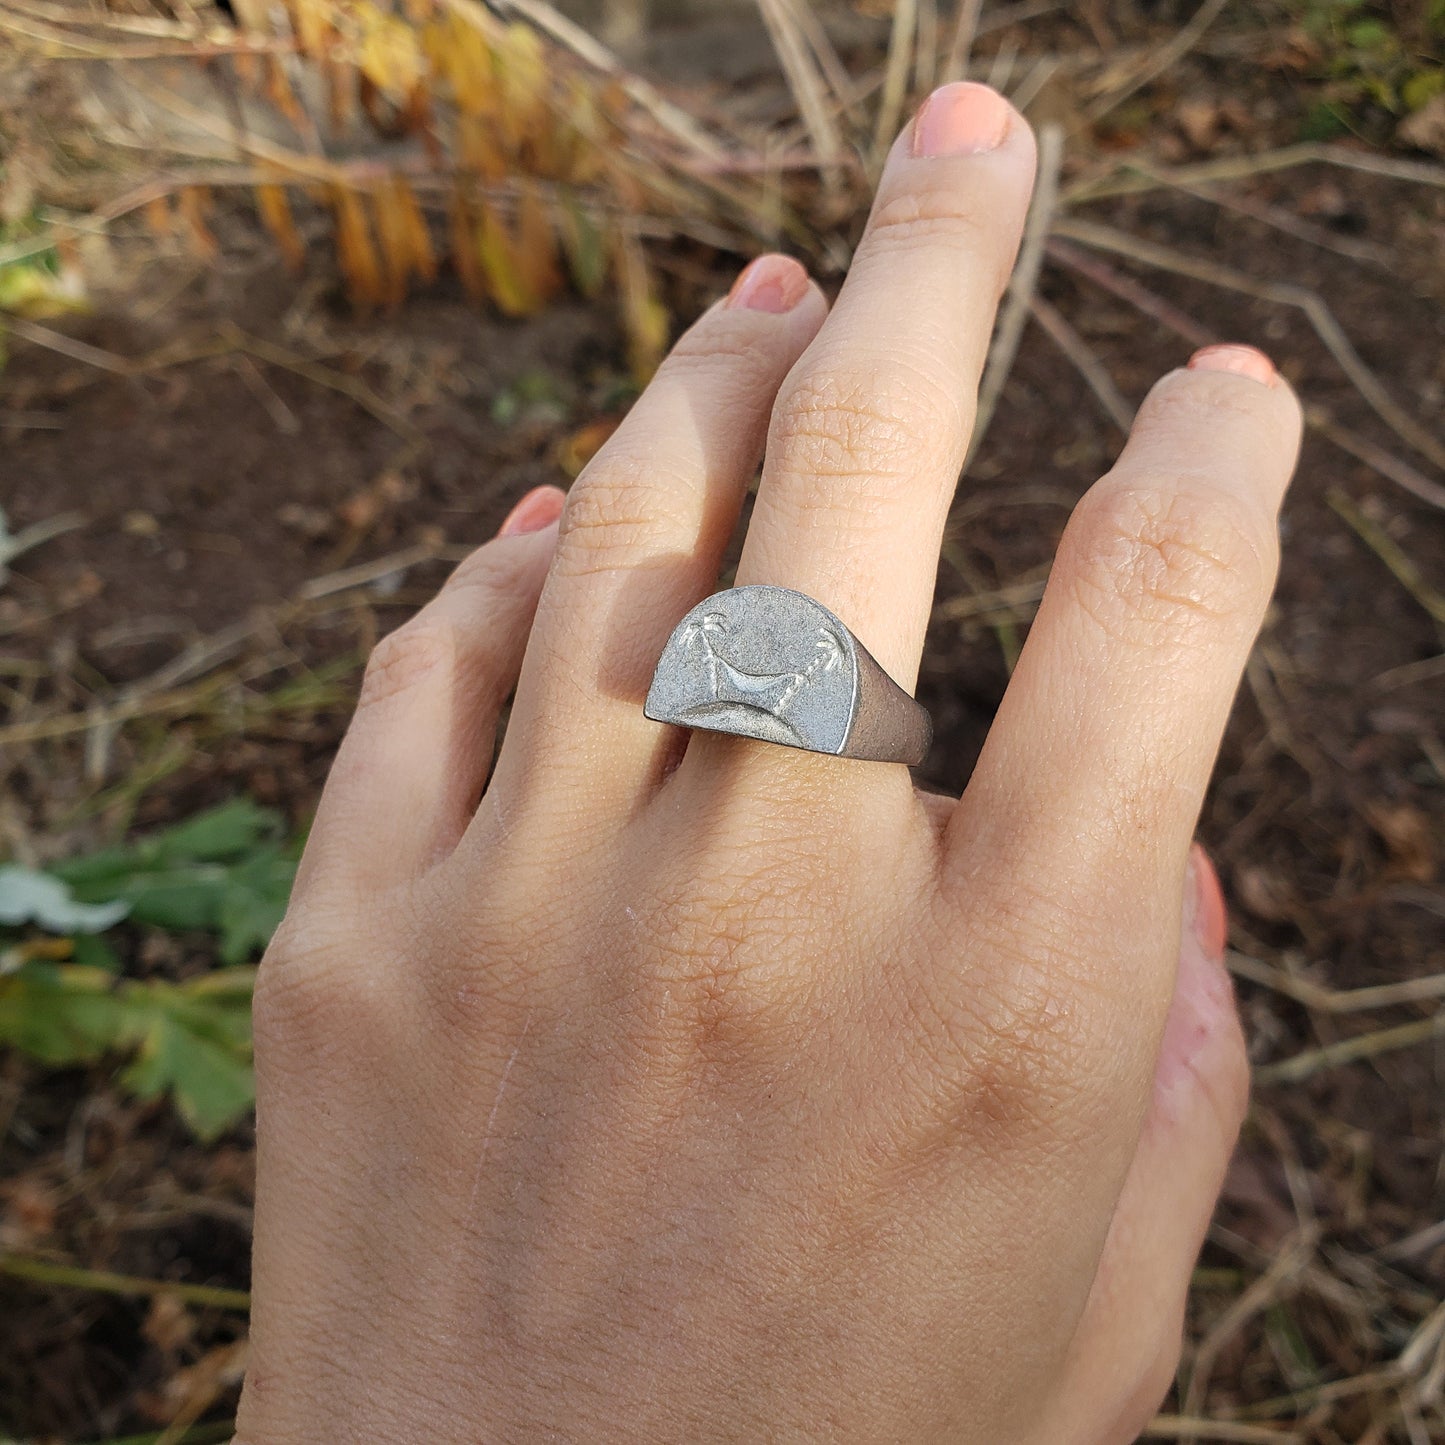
769, 692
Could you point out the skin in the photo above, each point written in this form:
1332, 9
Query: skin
690, 1088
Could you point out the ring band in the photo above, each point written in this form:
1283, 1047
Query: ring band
773, 664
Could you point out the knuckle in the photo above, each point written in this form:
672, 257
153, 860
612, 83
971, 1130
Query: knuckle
314, 1008
714, 986
1167, 555
721, 350
613, 517
488, 569
1196, 403
403, 659
1013, 1056
873, 422
930, 214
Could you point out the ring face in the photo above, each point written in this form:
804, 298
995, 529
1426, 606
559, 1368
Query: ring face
761, 662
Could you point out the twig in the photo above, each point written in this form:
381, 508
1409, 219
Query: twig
1348, 1051
1402, 568
1316, 311
845, 92
1260, 1295
28, 538
1023, 285
1076, 349
1389, 466
1337, 1001
1040, 73
325, 376
64, 345
806, 83
1001, 69
895, 77
955, 67
925, 62
1166, 57
1233, 168
368, 572
1177, 1427
1126, 288
41, 1271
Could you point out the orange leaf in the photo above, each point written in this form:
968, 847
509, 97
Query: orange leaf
522, 69
355, 251
194, 204
578, 449
643, 314
537, 246
279, 92
275, 212
465, 248
312, 25
389, 54
505, 273
405, 241
158, 218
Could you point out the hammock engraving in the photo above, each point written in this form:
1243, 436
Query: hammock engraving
760, 692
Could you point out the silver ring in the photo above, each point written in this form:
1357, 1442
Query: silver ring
773, 664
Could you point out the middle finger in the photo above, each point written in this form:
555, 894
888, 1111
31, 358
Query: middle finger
870, 430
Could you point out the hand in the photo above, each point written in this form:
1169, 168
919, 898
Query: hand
693, 1088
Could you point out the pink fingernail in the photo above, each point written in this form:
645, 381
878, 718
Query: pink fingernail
1205, 910
962, 119
539, 508
1241, 360
771, 283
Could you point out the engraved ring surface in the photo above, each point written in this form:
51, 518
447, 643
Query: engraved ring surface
773, 664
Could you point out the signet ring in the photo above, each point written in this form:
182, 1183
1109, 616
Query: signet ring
773, 664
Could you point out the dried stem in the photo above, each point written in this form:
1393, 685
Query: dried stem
1025, 280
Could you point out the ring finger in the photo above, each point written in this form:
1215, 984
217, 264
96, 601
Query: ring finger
642, 539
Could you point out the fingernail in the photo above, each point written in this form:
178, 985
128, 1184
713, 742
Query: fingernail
539, 508
962, 119
1204, 908
771, 283
1241, 360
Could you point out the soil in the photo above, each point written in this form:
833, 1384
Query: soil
214, 490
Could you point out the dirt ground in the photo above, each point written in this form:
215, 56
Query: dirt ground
212, 493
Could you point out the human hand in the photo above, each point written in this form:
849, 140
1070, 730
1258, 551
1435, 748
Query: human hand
694, 1088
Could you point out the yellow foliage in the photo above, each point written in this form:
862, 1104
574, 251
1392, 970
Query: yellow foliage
644, 314
275, 212
389, 53
355, 251
536, 147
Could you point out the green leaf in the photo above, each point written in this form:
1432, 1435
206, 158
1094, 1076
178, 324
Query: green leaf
1422, 88
29, 896
61, 1016
221, 833
220, 872
1369, 35
210, 1077
192, 1039
90, 951
583, 247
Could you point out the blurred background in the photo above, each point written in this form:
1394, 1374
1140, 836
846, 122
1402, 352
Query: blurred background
297, 297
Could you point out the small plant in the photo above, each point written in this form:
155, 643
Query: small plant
63, 999
1370, 60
